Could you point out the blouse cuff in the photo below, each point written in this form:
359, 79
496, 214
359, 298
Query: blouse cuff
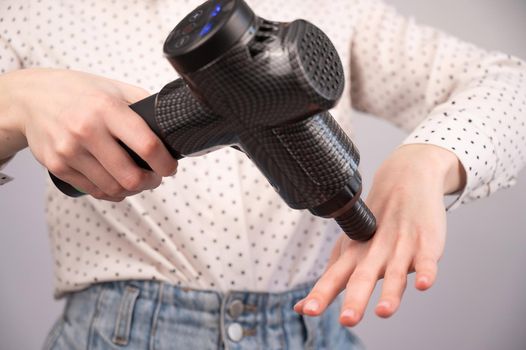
473, 148
3, 177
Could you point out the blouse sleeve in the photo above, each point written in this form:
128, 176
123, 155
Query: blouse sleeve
13, 16
446, 92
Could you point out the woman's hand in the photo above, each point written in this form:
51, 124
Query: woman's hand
407, 200
72, 122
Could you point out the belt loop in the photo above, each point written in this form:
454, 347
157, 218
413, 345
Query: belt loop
121, 333
222, 316
156, 314
310, 324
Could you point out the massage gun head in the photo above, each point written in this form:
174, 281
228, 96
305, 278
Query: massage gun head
223, 46
265, 87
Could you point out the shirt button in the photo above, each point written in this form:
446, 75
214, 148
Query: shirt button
235, 332
235, 308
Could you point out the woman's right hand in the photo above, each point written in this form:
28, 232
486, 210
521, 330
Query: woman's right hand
72, 122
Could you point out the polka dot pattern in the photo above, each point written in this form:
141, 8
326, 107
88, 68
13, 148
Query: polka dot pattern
218, 224
473, 101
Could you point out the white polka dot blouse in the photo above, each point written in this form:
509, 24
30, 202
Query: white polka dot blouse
218, 224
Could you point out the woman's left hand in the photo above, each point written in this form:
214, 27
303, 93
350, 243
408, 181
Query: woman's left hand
407, 199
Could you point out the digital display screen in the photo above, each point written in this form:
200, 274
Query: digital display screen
210, 24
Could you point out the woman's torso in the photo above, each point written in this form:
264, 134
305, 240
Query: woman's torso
217, 224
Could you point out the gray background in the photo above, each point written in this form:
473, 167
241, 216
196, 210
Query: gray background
479, 301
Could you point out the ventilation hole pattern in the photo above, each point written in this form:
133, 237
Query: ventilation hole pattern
321, 62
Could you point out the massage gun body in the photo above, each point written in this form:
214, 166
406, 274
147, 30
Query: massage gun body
258, 97
267, 94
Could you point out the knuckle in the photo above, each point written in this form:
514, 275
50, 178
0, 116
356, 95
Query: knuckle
133, 181
425, 260
58, 167
66, 148
150, 146
97, 194
171, 168
396, 274
115, 190
83, 127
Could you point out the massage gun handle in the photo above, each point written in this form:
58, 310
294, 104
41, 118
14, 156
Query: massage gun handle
146, 109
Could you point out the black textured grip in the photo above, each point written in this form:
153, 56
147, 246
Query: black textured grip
187, 124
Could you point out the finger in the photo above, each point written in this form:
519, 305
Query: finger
94, 171
395, 282
359, 290
118, 164
82, 183
72, 177
335, 254
395, 276
127, 126
330, 284
426, 267
298, 307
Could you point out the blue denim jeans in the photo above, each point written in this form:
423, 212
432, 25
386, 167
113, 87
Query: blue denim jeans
155, 315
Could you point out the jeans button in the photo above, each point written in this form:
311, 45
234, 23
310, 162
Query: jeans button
235, 308
235, 332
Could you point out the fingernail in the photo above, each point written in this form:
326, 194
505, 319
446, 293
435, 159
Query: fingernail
423, 279
348, 313
312, 305
384, 304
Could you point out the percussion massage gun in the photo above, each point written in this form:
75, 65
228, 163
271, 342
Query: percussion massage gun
264, 88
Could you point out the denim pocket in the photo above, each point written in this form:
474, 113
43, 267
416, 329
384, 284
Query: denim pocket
121, 333
311, 324
53, 335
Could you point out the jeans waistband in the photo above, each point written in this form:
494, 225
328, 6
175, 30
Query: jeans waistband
154, 314
209, 300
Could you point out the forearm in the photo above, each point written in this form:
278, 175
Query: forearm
12, 138
447, 92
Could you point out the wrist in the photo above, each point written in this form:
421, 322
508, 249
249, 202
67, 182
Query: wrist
12, 138
440, 163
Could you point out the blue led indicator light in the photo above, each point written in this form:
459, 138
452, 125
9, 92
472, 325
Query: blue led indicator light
206, 29
216, 11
